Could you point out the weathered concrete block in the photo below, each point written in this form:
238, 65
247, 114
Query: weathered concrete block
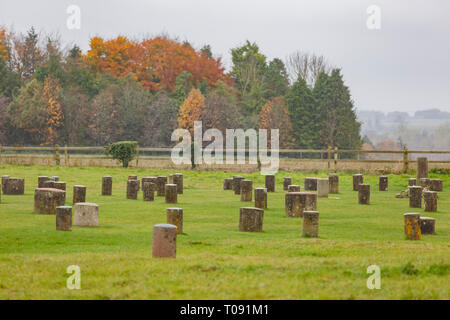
64, 218
175, 217
430, 201
261, 198
237, 184
297, 202
228, 184
107, 186
47, 199
85, 214
164, 241
310, 184
323, 187
364, 194
251, 219
270, 182
310, 227
383, 183
333, 180
415, 196
246, 190
357, 180
436, 185
422, 168
148, 190
41, 180
79, 193
177, 178
427, 225
14, 186
287, 181
171, 193
161, 182
132, 189
412, 226
293, 188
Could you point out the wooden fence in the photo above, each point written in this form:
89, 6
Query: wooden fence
330, 159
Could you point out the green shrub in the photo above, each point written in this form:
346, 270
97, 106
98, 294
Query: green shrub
124, 151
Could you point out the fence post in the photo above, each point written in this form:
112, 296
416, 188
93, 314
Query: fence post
405, 159
335, 158
66, 156
329, 157
57, 159
137, 156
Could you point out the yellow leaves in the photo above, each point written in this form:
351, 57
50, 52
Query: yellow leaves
191, 110
274, 115
3, 50
54, 119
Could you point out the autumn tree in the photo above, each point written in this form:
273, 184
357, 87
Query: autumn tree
191, 110
274, 115
27, 55
3, 45
54, 117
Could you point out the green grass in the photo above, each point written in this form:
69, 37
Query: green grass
214, 260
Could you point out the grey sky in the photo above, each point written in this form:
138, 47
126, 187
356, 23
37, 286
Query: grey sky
403, 66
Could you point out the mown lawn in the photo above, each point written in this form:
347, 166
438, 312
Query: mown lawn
214, 260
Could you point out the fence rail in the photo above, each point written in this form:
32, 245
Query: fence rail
331, 155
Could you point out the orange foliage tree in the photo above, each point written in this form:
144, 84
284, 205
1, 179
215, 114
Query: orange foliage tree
55, 118
3, 50
191, 110
274, 115
154, 62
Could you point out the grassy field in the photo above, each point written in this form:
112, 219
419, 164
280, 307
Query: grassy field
214, 260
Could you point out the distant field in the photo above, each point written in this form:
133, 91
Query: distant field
214, 260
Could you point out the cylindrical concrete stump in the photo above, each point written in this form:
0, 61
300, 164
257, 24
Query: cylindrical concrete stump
161, 182
177, 178
287, 181
55, 178
148, 190
4, 179
171, 193
41, 180
270, 182
261, 198
246, 190
48, 184
175, 217
64, 218
364, 194
412, 226
425, 183
132, 189
164, 241
79, 194
61, 185
383, 183
85, 214
323, 187
293, 188
430, 201
47, 199
297, 202
415, 196
228, 184
310, 184
14, 186
333, 180
412, 182
427, 225
422, 168
106, 186
237, 184
310, 227
357, 180
132, 177
436, 185
251, 219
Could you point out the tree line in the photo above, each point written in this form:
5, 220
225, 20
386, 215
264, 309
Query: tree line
122, 89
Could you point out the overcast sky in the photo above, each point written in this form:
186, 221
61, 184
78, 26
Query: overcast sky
403, 66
